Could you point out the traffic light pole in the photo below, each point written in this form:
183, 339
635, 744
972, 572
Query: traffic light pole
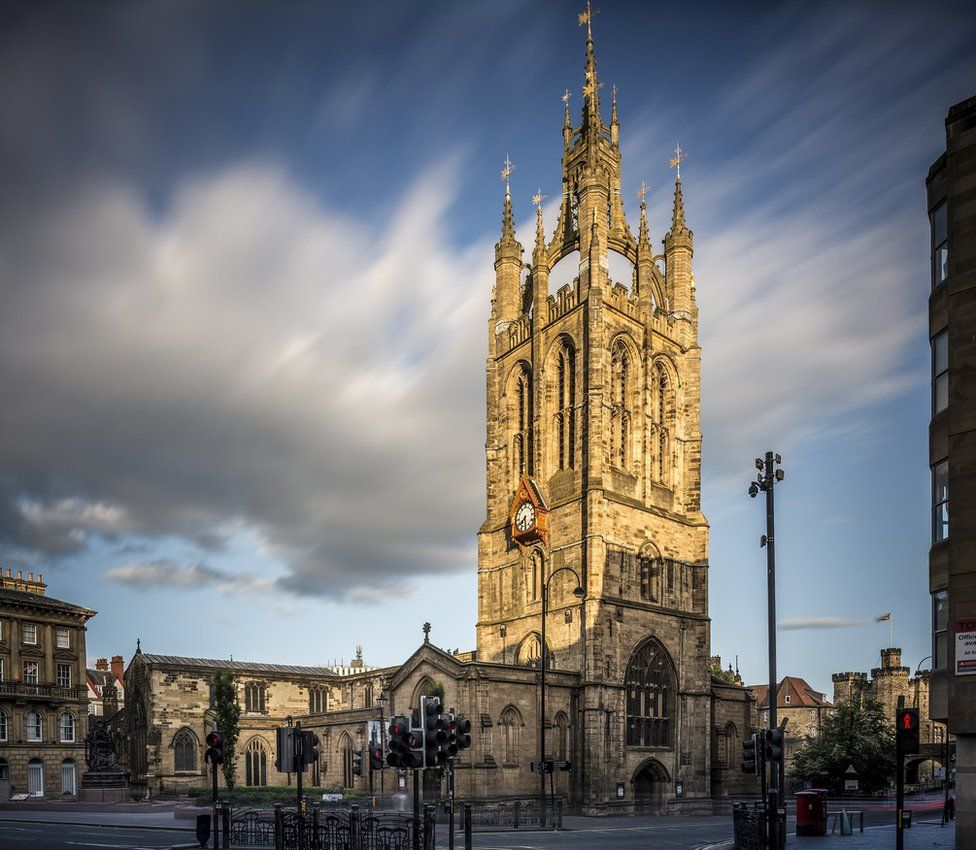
416, 810
213, 801
899, 795
298, 746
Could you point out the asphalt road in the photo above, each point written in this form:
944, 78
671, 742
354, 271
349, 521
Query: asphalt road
52, 836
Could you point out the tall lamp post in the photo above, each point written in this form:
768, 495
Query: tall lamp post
769, 474
579, 593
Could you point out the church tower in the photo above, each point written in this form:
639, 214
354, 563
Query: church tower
593, 471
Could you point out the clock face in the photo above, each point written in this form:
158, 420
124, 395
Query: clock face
525, 516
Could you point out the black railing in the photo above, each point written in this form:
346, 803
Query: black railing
514, 814
749, 826
341, 830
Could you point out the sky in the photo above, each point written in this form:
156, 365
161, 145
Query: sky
245, 271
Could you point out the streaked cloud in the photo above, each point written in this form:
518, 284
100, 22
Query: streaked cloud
798, 623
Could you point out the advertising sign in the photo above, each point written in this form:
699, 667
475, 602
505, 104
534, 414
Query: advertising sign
966, 646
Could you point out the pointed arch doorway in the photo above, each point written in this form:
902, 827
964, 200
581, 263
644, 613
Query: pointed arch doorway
651, 788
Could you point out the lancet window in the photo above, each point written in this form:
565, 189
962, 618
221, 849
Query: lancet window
621, 415
522, 422
566, 406
664, 415
650, 696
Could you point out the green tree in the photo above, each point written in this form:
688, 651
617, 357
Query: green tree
858, 734
227, 713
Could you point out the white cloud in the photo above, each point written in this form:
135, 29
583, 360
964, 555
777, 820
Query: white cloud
797, 623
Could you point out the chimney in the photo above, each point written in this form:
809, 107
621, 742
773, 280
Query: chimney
118, 666
101, 664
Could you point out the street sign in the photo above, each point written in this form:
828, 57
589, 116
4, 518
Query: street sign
620, 790
535, 766
966, 646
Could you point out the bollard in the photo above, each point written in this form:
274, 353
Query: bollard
279, 827
845, 823
225, 821
467, 826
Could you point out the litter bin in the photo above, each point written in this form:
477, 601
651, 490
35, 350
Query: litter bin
203, 829
811, 812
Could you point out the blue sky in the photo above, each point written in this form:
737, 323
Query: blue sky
245, 261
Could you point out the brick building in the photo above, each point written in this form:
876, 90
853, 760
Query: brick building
803, 707
106, 686
593, 459
43, 697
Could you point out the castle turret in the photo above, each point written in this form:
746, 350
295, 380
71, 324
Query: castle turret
678, 250
508, 262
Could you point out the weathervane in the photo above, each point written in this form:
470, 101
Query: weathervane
587, 18
507, 172
538, 198
679, 155
642, 191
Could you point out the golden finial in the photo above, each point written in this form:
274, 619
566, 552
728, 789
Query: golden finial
566, 97
538, 197
507, 170
642, 191
679, 155
613, 92
586, 17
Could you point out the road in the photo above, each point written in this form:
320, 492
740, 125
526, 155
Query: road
54, 836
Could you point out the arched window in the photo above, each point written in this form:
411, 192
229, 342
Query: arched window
35, 777
35, 728
664, 416
66, 728
3, 726
731, 744
566, 405
621, 415
254, 697
650, 568
345, 759
367, 695
255, 763
530, 651
69, 776
184, 752
318, 700
562, 736
650, 696
511, 724
521, 419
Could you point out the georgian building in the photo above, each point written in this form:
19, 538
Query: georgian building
593, 510
43, 695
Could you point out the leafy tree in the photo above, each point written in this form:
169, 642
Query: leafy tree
725, 675
227, 713
858, 734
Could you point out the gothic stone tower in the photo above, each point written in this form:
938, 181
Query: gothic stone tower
593, 402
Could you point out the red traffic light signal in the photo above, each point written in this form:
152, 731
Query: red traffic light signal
215, 748
906, 731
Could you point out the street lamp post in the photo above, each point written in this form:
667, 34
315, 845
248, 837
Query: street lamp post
579, 593
768, 475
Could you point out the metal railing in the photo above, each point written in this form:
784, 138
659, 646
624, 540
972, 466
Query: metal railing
29, 689
344, 830
515, 814
749, 826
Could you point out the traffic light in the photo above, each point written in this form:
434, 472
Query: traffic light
405, 745
310, 748
463, 732
285, 749
215, 748
357, 762
906, 721
375, 756
751, 754
434, 734
774, 744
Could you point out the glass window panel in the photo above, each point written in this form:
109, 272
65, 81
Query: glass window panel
64, 675
940, 262
940, 399
941, 657
940, 353
940, 224
30, 672
63, 639
30, 633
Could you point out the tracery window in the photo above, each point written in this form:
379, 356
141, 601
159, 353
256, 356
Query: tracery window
650, 696
620, 412
522, 422
318, 700
664, 414
255, 763
254, 697
530, 652
184, 751
566, 406
511, 724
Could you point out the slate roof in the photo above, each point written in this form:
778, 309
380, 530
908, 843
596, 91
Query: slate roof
22, 597
797, 689
239, 666
101, 678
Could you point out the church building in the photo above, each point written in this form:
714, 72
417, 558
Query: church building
593, 519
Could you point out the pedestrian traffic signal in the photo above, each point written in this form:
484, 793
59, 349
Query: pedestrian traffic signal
310, 748
906, 720
215, 748
285, 749
463, 732
357, 762
375, 756
751, 755
774, 744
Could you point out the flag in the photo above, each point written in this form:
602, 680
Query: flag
883, 617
